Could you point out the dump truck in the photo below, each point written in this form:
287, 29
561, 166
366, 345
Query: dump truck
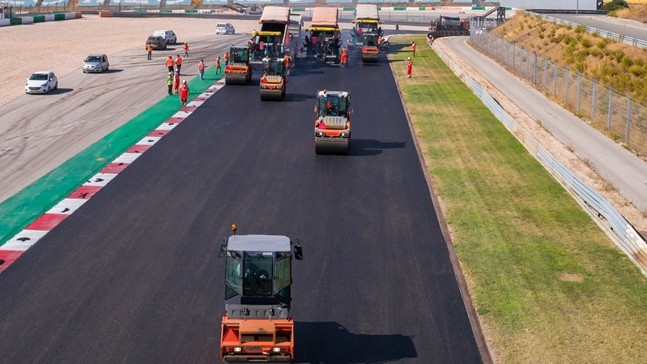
325, 35
445, 26
256, 325
238, 70
273, 40
273, 81
332, 122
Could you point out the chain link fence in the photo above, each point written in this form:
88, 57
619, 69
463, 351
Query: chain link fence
615, 114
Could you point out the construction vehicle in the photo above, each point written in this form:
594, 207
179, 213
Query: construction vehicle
367, 31
274, 80
325, 35
332, 123
273, 40
238, 70
257, 326
445, 26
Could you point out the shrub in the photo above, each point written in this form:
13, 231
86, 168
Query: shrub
586, 43
580, 29
615, 5
636, 70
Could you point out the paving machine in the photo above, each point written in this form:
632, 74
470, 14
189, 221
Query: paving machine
258, 271
238, 71
332, 123
324, 41
274, 80
367, 31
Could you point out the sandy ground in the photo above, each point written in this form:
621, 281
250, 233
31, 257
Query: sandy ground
62, 46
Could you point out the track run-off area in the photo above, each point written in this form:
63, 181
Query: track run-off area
133, 274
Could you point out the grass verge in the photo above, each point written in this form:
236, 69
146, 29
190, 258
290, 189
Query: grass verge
548, 285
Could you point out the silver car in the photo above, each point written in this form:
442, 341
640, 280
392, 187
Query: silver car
41, 82
225, 28
96, 63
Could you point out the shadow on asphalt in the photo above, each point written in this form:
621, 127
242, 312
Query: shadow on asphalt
330, 342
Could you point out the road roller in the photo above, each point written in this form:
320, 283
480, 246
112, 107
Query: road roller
257, 325
332, 123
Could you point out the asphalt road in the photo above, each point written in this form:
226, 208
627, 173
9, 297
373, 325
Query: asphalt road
133, 275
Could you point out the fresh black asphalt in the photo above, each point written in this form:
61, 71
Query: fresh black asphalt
133, 276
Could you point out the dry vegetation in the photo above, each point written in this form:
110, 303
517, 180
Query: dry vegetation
620, 66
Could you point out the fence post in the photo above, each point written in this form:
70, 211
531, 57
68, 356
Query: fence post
610, 108
593, 96
566, 76
534, 69
628, 118
554, 79
579, 86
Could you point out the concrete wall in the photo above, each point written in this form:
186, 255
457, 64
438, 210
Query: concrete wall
551, 4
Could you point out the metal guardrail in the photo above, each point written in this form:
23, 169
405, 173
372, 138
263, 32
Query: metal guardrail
621, 232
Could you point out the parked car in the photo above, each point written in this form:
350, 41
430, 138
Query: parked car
41, 82
225, 28
156, 42
168, 35
96, 62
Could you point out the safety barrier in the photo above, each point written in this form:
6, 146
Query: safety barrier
39, 18
621, 232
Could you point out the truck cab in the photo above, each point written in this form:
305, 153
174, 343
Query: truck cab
258, 271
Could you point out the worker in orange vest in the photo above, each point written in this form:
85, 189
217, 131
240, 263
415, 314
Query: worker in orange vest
287, 61
176, 82
149, 51
218, 66
201, 69
226, 58
344, 56
413, 49
178, 63
170, 64
184, 93
186, 49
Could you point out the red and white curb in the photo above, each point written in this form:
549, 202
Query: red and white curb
16, 246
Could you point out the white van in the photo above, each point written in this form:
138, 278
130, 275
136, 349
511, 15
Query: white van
167, 34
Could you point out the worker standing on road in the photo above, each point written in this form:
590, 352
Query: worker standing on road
201, 69
226, 58
170, 64
184, 93
409, 67
343, 59
169, 83
178, 63
218, 66
413, 49
186, 49
176, 82
287, 61
149, 51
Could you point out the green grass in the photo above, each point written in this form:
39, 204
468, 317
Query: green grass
548, 285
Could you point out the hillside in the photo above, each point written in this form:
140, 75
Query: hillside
610, 63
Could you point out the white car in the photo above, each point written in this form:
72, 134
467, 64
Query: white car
41, 82
225, 28
168, 35
97, 62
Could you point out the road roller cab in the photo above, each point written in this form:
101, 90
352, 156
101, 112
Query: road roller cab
257, 326
332, 123
238, 70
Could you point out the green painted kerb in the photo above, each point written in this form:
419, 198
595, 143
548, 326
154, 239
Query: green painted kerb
34, 200
39, 18
59, 16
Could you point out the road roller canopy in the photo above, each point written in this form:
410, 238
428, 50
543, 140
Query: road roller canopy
333, 103
259, 267
239, 54
274, 66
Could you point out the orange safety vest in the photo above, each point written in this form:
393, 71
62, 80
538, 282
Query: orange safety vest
169, 62
178, 61
201, 66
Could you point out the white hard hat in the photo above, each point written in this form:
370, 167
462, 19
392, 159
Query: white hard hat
184, 81
408, 57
